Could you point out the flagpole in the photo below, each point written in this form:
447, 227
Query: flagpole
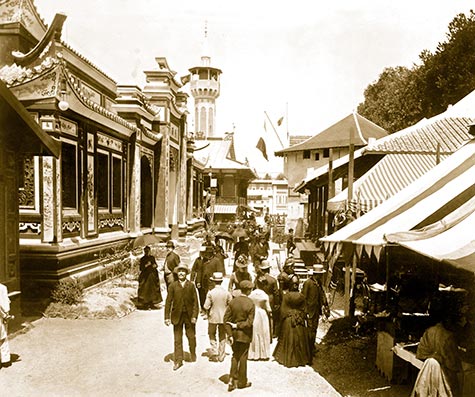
287, 122
275, 131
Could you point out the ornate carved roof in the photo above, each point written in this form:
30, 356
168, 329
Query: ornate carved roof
25, 13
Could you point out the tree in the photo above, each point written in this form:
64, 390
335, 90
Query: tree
392, 101
402, 96
448, 74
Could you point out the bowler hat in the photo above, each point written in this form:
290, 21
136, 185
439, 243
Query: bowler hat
317, 269
181, 266
245, 285
217, 276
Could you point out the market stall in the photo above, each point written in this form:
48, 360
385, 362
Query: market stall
439, 208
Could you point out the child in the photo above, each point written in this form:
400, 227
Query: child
4, 318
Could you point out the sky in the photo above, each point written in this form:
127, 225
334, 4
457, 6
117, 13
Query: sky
305, 60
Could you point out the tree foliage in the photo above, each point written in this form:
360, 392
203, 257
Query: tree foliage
390, 101
402, 96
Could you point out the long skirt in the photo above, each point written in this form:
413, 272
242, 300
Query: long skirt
260, 344
293, 346
149, 292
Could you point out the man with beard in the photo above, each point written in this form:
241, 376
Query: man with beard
181, 310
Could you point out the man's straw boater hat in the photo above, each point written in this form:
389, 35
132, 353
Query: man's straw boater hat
317, 269
217, 276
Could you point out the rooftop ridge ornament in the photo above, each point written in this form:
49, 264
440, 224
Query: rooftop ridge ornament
54, 30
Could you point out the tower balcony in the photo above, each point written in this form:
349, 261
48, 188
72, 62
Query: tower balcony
205, 88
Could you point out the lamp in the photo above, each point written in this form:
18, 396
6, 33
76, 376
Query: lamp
63, 104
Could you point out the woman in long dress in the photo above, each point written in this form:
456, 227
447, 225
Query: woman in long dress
293, 345
149, 293
260, 344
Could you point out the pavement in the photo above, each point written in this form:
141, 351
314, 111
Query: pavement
130, 357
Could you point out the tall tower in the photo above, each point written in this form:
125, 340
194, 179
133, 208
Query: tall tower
205, 88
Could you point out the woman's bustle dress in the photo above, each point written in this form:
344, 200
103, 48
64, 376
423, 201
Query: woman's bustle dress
293, 345
259, 348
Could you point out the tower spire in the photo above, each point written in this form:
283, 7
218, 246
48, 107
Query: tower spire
205, 89
205, 55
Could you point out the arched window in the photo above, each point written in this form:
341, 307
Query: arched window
210, 121
203, 120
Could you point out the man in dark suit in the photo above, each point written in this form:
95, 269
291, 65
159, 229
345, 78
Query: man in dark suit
181, 309
269, 285
315, 301
239, 318
171, 261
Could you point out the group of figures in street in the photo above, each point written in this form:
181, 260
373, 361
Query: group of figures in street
149, 291
248, 314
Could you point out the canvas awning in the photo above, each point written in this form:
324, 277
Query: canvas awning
393, 173
449, 240
427, 200
223, 209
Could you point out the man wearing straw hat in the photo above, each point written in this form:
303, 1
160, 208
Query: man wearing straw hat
181, 309
217, 301
315, 300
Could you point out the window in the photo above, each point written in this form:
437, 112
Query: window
317, 156
116, 182
306, 154
102, 180
69, 175
326, 153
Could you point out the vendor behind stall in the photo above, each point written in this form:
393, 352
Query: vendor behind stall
439, 348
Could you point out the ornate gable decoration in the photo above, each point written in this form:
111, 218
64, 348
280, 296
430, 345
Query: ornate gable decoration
23, 12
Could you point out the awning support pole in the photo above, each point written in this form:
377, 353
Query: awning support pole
347, 288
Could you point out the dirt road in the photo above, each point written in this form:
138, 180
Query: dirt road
126, 357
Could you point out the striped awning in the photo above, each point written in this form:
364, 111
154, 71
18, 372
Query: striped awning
430, 198
449, 240
223, 209
389, 176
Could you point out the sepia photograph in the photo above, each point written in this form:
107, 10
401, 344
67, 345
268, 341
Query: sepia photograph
211, 198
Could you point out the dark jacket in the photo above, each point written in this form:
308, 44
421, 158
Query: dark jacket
315, 297
269, 285
172, 260
197, 271
240, 311
181, 299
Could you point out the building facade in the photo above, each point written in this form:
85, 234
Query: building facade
124, 167
268, 196
324, 150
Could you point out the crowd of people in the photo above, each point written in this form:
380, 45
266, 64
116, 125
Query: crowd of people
249, 314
